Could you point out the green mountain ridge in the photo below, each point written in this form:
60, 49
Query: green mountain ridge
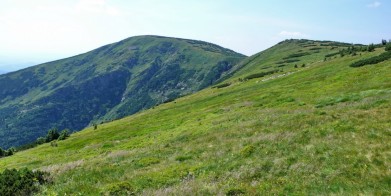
107, 83
293, 119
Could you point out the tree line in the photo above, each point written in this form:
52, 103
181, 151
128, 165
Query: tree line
373, 60
5, 153
354, 49
376, 59
52, 136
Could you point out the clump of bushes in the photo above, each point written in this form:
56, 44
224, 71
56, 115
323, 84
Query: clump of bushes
22, 182
52, 135
5, 153
371, 48
388, 46
297, 55
331, 54
183, 158
288, 61
282, 65
222, 85
352, 50
316, 48
259, 75
373, 60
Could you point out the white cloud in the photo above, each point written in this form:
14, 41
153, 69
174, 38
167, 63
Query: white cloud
291, 34
374, 4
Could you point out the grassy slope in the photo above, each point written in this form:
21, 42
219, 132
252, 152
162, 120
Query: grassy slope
322, 129
107, 83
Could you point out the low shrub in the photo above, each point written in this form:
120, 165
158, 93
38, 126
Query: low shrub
373, 60
316, 48
288, 61
222, 85
5, 153
64, 134
371, 48
297, 55
331, 54
183, 158
259, 75
388, 46
51, 137
308, 45
21, 182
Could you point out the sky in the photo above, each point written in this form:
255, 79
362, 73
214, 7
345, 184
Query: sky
33, 32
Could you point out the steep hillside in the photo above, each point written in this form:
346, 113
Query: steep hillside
319, 129
105, 84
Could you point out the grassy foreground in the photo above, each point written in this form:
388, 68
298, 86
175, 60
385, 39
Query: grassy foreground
323, 128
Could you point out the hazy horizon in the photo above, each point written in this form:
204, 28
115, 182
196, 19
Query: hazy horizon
35, 32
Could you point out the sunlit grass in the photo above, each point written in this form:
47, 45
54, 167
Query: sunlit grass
324, 129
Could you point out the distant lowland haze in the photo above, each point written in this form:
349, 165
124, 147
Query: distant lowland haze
34, 32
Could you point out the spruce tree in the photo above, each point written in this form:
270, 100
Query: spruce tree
371, 48
64, 134
52, 135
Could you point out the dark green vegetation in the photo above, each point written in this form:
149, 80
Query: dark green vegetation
5, 153
261, 74
21, 182
388, 46
322, 129
105, 84
372, 60
52, 136
222, 85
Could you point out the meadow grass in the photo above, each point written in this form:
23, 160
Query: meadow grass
322, 129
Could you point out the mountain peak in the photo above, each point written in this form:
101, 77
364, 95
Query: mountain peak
107, 83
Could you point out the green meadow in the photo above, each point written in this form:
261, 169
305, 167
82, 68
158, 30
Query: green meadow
302, 124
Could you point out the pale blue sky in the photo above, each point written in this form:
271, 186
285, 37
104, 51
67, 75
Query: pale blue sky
37, 31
